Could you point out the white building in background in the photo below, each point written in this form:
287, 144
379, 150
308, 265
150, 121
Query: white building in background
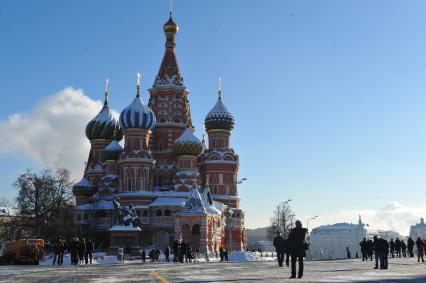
418, 230
384, 234
330, 241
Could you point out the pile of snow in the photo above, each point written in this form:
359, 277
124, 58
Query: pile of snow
245, 256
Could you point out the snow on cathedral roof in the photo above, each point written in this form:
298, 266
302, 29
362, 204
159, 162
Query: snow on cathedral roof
209, 203
168, 201
194, 203
137, 115
219, 117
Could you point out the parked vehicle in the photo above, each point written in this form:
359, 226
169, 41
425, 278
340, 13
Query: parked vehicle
25, 251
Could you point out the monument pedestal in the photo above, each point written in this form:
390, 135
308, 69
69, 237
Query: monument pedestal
125, 237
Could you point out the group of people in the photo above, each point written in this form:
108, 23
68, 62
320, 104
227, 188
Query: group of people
294, 248
382, 250
81, 251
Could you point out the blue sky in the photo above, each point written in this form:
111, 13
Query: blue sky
329, 96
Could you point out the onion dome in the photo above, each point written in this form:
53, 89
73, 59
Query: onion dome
137, 114
84, 188
188, 144
170, 25
219, 117
113, 150
104, 125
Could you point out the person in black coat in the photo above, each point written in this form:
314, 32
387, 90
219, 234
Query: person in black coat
398, 247
297, 248
81, 251
410, 246
279, 248
88, 255
175, 250
167, 253
143, 255
363, 244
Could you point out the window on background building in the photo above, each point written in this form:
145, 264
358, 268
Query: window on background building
138, 213
145, 213
141, 183
159, 212
128, 187
167, 212
215, 189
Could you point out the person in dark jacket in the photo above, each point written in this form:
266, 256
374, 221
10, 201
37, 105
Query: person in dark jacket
175, 250
363, 244
297, 248
88, 255
410, 246
167, 253
143, 255
384, 253
279, 244
392, 248
221, 253
403, 248
73, 249
58, 249
81, 251
376, 250
420, 249
398, 247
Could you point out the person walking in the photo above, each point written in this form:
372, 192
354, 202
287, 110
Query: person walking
420, 249
392, 248
175, 250
363, 244
81, 251
403, 248
410, 246
88, 255
398, 247
143, 255
376, 250
73, 249
57, 247
221, 253
167, 253
279, 248
297, 248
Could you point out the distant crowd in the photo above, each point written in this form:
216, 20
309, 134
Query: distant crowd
382, 250
81, 251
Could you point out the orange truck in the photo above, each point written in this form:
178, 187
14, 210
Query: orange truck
25, 251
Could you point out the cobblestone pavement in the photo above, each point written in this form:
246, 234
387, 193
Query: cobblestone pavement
400, 270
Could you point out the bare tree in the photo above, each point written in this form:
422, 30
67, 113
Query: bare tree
281, 221
44, 205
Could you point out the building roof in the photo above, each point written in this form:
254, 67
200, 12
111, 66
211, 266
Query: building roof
168, 201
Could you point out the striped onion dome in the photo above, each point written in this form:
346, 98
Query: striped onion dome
137, 115
187, 143
113, 150
104, 125
84, 188
219, 117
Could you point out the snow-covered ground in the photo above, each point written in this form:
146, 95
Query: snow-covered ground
246, 269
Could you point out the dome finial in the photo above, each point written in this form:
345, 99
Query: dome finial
138, 86
220, 87
106, 92
171, 7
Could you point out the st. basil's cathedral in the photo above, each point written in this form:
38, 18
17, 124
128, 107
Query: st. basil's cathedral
180, 187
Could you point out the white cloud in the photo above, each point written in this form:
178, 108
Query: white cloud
393, 216
52, 133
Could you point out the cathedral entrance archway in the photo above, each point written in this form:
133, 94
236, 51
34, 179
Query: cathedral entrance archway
195, 236
186, 231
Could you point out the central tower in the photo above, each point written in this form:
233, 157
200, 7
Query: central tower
169, 101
